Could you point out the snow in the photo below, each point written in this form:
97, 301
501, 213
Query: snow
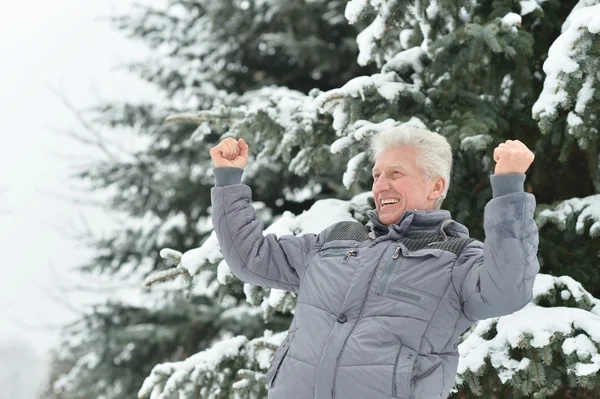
355, 9
405, 36
365, 129
366, 40
506, 86
388, 85
341, 118
276, 297
310, 191
594, 26
477, 142
170, 254
584, 96
180, 379
411, 57
223, 272
263, 357
445, 76
414, 122
541, 325
562, 61
88, 360
291, 112
340, 144
425, 29
289, 108
586, 93
584, 348
464, 15
544, 283
209, 252
125, 355
432, 9
178, 372
353, 169
240, 312
588, 207
323, 214
511, 20
529, 6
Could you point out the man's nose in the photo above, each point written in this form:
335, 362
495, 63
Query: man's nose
381, 184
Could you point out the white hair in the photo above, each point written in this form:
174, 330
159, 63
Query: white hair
434, 154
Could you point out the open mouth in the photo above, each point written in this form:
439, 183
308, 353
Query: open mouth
388, 203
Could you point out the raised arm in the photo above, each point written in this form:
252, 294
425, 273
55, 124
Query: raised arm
254, 258
496, 277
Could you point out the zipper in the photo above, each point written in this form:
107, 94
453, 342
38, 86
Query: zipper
337, 364
347, 254
350, 253
395, 369
329, 254
412, 370
388, 269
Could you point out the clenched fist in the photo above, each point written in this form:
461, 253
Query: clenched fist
512, 157
230, 152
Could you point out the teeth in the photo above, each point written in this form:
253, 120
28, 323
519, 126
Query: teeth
388, 201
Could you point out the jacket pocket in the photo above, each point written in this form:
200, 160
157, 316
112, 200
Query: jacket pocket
398, 264
344, 253
423, 252
280, 354
412, 296
403, 381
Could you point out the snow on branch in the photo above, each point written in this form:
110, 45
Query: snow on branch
379, 87
529, 6
568, 63
538, 332
203, 374
511, 21
408, 58
588, 210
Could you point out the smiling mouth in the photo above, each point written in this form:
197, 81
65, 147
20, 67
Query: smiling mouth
389, 204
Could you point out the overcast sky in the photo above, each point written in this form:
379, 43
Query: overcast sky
59, 44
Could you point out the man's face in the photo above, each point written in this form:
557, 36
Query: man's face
396, 177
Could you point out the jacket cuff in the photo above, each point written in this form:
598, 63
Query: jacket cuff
227, 176
507, 184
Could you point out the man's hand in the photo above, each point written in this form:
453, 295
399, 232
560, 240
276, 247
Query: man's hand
512, 157
230, 152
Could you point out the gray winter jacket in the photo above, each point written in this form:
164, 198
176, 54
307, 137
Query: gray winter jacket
380, 310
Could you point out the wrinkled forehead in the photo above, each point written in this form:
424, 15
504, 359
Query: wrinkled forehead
394, 165
395, 157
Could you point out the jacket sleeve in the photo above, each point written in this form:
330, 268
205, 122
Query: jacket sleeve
495, 278
264, 260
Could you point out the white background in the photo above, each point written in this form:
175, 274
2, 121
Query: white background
66, 46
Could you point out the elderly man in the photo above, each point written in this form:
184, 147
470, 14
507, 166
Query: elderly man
380, 307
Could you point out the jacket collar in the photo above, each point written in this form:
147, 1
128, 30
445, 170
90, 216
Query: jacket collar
422, 221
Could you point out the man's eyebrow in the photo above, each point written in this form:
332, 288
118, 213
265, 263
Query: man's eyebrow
389, 167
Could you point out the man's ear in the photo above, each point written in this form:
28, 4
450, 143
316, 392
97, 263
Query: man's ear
437, 186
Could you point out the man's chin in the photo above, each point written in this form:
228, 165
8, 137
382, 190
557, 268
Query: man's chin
388, 219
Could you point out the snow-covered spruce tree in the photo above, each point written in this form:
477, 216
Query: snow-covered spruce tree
478, 74
160, 191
